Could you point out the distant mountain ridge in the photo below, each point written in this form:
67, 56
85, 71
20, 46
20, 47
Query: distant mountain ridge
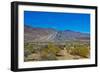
51, 35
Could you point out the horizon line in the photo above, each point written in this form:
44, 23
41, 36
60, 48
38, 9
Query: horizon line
56, 29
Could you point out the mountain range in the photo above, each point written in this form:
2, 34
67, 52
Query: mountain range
52, 35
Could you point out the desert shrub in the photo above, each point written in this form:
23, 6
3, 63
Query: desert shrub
26, 52
70, 47
49, 53
28, 49
81, 50
47, 56
84, 51
53, 48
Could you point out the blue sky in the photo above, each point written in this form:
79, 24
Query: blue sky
59, 21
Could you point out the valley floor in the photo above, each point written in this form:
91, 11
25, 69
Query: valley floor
62, 55
54, 51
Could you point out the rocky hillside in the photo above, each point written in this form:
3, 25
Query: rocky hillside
52, 35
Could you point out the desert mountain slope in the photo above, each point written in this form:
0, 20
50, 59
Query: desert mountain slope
52, 35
